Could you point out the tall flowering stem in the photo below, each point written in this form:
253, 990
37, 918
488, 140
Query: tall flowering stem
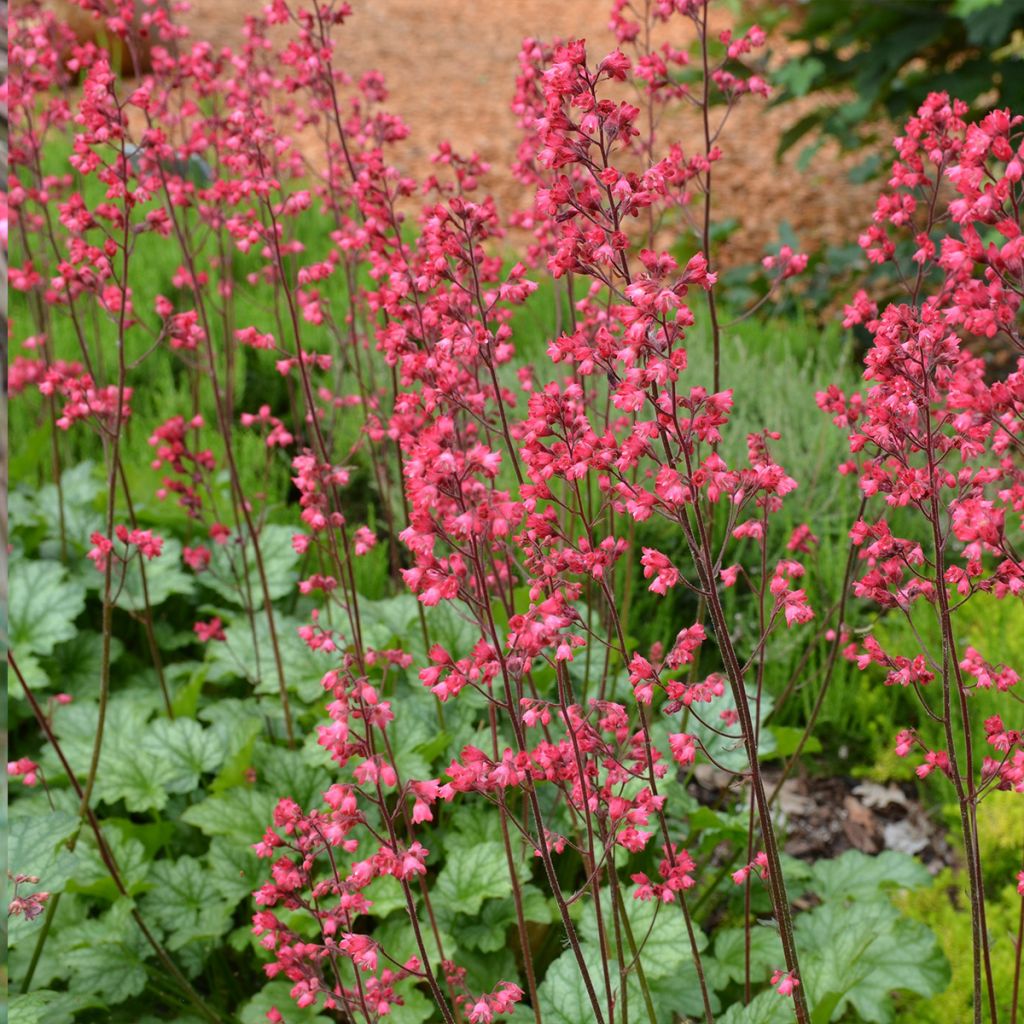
522, 502
937, 437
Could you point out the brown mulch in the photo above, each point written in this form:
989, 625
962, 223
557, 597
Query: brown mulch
451, 65
823, 817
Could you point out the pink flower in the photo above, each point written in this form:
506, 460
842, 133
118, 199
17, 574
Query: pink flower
413, 862
147, 542
364, 539
197, 558
481, 1012
730, 574
665, 574
212, 630
219, 533
100, 551
785, 982
26, 769
361, 949
683, 747
30, 906
801, 539
933, 759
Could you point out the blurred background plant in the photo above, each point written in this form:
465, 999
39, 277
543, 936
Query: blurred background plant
871, 63
851, 72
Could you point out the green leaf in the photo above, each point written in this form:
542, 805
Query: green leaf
433, 747
185, 702
807, 155
142, 784
471, 875
106, 956
675, 995
867, 169
238, 756
91, 874
164, 577
727, 750
76, 725
536, 906
798, 76
154, 835
36, 847
563, 994
185, 748
241, 813
714, 825
414, 1009
486, 931
409, 737
856, 876
386, 895
767, 1008
663, 944
185, 902
37, 678
75, 665
658, 930
248, 653
485, 970
277, 995
44, 1006
792, 135
50, 972
730, 954
824, 1006
288, 773
863, 953
80, 487
786, 739
388, 620
450, 628
965, 8
470, 825
233, 869
43, 605
234, 573
237, 723
397, 937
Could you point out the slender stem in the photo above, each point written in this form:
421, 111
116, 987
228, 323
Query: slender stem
1018, 954
832, 658
107, 855
147, 612
716, 334
113, 468
734, 672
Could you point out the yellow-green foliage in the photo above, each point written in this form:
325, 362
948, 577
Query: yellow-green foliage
994, 628
1001, 834
945, 908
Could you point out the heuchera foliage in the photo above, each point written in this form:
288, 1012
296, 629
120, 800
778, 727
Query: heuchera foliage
514, 495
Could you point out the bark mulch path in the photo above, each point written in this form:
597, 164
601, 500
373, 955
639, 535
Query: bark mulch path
450, 66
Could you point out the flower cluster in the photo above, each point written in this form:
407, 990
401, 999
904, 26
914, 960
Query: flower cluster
521, 501
937, 436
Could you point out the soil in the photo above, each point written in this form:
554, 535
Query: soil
450, 66
825, 816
